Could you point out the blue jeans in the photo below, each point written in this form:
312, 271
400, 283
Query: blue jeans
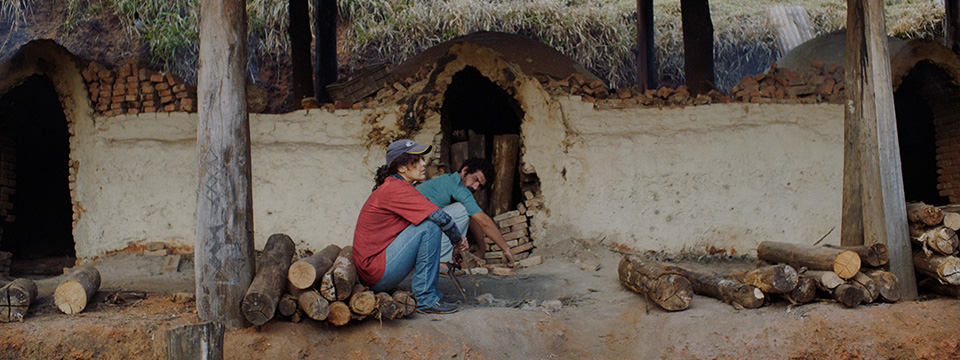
459, 214
417, 247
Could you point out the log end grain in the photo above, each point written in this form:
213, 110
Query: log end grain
805, 291
784, 279
258, 308
846, 264
70, 297
406, 302
363, 303
672, 292
848, 295
302, 275
339, 313
314, 305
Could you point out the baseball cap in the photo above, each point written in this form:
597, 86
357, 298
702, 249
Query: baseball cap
405, 146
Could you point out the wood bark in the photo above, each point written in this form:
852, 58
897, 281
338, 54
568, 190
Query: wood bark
339, 313
827, 280
944, 268
75, 293
882, 210
940, 239
871, 287
306, 272
478, 149
298, 31
774, 279
195, 341
505, 151
697, 46
337, 283
406, 302
287, 305
646, 74
224, 242
325, 47
850, 295
805, 291
664, 287
875, 255
843, 262
732, 292
263, 296
919, 212
15, 299
387, 308
888, 284
363, 302
314, 305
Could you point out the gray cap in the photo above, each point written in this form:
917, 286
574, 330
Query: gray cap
403, 146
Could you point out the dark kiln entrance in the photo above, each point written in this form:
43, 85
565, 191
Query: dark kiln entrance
35, 211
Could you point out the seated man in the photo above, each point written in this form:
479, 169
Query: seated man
454, 193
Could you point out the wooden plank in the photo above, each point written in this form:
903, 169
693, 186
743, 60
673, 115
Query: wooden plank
195, 341
646, 72
505, 152
224, 244
697, 46
951, 25
792, 25
870, 89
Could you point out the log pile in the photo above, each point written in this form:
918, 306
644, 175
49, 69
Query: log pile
15, 299
935, 248
133, 89
515, 224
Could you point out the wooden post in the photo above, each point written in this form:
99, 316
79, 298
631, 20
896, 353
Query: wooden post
506, 148
697, 45
195, 341
224, 245
951, 25
298, 29
870, 130
478, 149
325, 47
646, 74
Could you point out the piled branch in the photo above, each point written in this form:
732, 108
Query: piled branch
337, 283
15, 299
307, 272
805, 291
732, 292
944, 268
260, 303
918, 212
75, 293
889, 285
843, 262
665, 287
875, 255
940, 239
774, 279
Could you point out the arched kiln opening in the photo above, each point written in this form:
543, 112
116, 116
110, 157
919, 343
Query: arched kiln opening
481, 119
35, 209
928, 131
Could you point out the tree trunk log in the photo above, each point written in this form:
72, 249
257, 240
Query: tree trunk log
827, 280
325, 47
942, 289
843, 262
337, 283
940, 239
314, 305
287, 305
889, 284
775, 279
646, 70
505, 150
406, 302
875, 255
805, 291
946, 269
871, 287
387, 308
297, 316
732, 292
298, 31
195, 341
458, 154
76, 292
224, 239
478, 149
260, 302
665, 287
951, 220
697, 46
339, 313
919, 212
306, 272
15, 299
850, 295
363, 302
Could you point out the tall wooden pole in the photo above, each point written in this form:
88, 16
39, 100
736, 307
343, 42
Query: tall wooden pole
298, 30
951, 25
224, 245
325, 47
697, 45
646, 76
871, 121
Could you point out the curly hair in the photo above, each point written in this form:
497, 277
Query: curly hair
479, 164
385, 171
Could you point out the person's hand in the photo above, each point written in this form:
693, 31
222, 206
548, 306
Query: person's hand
511, 261
462, 245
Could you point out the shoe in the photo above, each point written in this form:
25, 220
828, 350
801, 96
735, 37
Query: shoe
440, 308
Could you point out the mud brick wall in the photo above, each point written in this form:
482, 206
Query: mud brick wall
133, 89
947, 126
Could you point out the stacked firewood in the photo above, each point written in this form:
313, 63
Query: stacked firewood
799, 274
133, 89
515, 225
322, 286
935, 247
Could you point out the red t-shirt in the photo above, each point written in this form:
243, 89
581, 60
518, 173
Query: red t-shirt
391, 208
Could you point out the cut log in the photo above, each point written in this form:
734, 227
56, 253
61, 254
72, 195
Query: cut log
339, 313
951, 220
875, 255
843, 262
260, 303
919, 212
297, 316
732, 292
362, 302
387, 308
15, 299
74, 293
940, 239
871, 287
306, 272
406, 302
337, 283
314, 305
805, 291
288, 305
827, 280
664, 287
889, 285
944, 268
505, 151
942, 289
850, 295
775, 279
195, 341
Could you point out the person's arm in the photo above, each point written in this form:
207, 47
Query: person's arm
446, 224
491, 230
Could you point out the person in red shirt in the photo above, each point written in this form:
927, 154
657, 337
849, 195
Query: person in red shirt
399, 230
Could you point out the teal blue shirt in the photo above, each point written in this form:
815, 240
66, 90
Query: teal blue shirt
447, 189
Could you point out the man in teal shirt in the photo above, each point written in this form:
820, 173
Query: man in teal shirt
454, 193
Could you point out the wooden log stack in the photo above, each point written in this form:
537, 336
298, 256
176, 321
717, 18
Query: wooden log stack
77, 291
515, 225
132, 88
935, 247
15, 299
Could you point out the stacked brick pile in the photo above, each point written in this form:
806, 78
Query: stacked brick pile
515, 225
948, 157
133, 89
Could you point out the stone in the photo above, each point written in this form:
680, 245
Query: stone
552, 305
182, 297
590, 265
156, 245
171, 263
479, 271
528, 305
530, 261
161, 252
486, 299
503, 271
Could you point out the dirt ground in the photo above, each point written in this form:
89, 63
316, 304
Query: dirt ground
599, 319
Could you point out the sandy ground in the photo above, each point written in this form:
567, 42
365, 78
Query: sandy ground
599, 319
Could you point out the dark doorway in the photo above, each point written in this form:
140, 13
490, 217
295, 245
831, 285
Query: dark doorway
474, 111
917, 134
38, 223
